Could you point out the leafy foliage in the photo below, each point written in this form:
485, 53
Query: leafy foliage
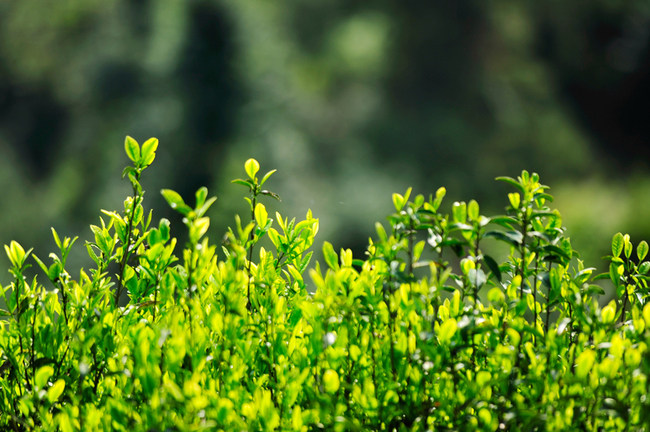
428, 332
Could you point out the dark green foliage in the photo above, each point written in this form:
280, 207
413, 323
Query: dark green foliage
428, 332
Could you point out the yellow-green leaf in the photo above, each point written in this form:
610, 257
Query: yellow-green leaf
55, 391
251, 166
608, 313
331, 381
42, 376
149, 151
585, 362
261, 215
447, 330
642, 250
132, 149
617, 245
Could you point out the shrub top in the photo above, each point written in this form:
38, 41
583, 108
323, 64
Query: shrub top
427, 331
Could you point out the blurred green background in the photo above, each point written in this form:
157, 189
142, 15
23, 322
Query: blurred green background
349, 100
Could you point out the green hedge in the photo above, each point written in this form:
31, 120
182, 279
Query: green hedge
426, 332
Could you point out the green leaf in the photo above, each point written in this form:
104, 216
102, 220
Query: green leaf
331, 381
57, 239
477, 277
128, 172
459, 211
617, 244
16, 254
418, 249
507, 222
512, 182
163, 227
55, 391
201, 195
642, 250
556, 251
398, 201
246, 183
261, 215
251, 166
271, 194
608, 313
473, 210
614, 275
132, 149
515, 199
42, 376
512, 237
447, 330
266, 177
627, 246
440, 194
149, 151
644, 267
330, 256
199, 228
54, 271
493, 266
40, 263
584, 363
175, 201
305, 261
205, 207
496, 296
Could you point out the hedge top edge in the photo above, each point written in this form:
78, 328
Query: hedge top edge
433, 329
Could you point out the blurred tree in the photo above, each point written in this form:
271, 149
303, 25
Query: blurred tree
350, 100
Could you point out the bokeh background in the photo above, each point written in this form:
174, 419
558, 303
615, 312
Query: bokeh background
350, 100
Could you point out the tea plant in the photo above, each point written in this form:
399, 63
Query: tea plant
428, 331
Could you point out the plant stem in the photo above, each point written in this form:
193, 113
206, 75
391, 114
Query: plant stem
251, 237
522, 267
127, 247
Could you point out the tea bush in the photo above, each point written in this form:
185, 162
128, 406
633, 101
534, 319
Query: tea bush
426, 332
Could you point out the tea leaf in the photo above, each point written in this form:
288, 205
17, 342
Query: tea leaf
512, 182
584, 363
493, 266
608, 313
617, 244
459, 211
201, 195
175, 201
132, 149
330, 256
149, 151
16, 254
440, 194
271, 194
398, 201
331, 381
512, 237
642, 250
261, 215
266, 177
54, 392
627, 246
473, 210
246, 183
42, 376
251, 166
515, 200
447, 330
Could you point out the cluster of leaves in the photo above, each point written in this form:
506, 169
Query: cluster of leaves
428, 332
